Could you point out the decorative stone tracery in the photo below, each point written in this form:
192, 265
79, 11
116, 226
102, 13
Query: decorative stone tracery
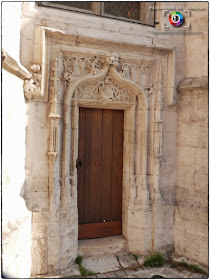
104, 90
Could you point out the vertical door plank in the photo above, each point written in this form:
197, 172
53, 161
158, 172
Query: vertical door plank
88, 159
96, 143
117, 164
81, 169
106, 179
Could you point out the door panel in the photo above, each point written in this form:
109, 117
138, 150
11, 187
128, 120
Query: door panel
100, 175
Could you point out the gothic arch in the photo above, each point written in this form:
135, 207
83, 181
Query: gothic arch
106, 89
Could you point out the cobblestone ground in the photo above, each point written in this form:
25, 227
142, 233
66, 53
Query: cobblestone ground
139, 273
126, 266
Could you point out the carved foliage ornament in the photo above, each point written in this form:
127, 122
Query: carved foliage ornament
33, 85
105, 90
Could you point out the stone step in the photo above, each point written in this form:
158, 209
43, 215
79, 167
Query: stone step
111, 245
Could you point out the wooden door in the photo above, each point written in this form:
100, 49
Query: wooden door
99, 166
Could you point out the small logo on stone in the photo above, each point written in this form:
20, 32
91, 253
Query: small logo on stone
176, 18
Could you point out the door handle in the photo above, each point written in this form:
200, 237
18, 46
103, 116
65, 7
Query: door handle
78, 163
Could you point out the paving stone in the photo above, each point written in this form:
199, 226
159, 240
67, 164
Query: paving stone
141, 260
196, 276
101, 264
120, 273
102, 275
137, 274
73, 270
127, 260
111, 275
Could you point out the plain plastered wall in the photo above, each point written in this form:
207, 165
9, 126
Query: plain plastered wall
16, 218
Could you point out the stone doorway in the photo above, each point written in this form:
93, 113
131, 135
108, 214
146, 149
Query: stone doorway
106, 90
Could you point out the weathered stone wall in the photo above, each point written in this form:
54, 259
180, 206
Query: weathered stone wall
191, 226
16, 217
191, 218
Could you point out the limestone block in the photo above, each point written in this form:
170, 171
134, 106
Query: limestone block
168, 194
189, 135
39, 256
168, 175
193, 243
197, 48
187, 108
136, 240
40, 217
148, 240
158, 240
179, 237
168, 216
182, 195
190, 213
170, 121
186, 154
40, 201
202, 106
201, 158
168, 239
39, 184
183, 180
201, 179
169, 145
196, 227
136, 218
39, 230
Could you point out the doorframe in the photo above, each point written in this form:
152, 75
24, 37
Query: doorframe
134, 186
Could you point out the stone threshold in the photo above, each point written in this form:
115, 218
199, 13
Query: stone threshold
103, 246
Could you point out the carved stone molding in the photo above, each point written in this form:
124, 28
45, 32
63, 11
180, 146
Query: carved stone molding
193, 84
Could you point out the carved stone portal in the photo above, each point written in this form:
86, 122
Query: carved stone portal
107, 82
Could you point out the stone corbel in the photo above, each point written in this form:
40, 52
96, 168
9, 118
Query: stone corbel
32, 86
